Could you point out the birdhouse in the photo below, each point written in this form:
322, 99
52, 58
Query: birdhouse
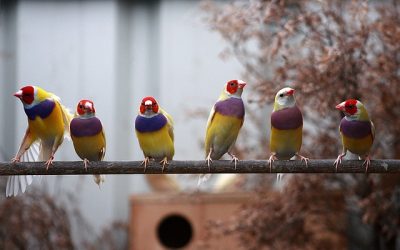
179, 221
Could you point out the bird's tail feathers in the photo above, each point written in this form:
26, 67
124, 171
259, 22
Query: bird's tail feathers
203, 178
19, 183
32, 154
279, 177
99, 179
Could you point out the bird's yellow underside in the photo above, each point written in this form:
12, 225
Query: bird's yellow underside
222, 132
157, 144
357, 146
49, 127
285, 143
90, 147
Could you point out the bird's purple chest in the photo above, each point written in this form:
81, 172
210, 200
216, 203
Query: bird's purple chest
230, 107
43, 110
355, 129
289, 118
150, 124
85, 127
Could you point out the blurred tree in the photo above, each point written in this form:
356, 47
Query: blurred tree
328, 51
30, 222
38, 220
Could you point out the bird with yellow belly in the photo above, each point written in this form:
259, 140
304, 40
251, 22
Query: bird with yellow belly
48, 123
357, 131
286, 127
88, 136
154, 130
225, 121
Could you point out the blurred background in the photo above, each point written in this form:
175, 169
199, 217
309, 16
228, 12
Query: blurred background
183, 52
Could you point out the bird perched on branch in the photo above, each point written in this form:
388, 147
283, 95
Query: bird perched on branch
224, 123
286, 127
48, 123
357, 131
88, 136
154, 130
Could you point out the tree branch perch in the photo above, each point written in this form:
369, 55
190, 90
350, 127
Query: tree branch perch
196, 167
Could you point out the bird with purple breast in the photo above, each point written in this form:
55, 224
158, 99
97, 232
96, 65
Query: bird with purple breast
88, 136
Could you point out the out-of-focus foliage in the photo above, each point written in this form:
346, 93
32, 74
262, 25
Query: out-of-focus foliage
114, 236
30, 222
328, 51
38, 220
300, 219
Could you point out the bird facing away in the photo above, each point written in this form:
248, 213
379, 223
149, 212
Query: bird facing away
356, 130
224, 122
48, 123
154, 130
88, 136
286, 127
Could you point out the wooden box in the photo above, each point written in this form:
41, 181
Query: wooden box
178, 221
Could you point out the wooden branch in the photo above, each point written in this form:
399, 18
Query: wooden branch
196, 167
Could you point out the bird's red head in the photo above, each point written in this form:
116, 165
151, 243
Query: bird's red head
85, 107
232, 86
348, 107
26, 94
148, 103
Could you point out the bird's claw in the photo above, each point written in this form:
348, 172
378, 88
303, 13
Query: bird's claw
305, 159
234, 159
164, 162
271, 160
145, 162
85, 163
338, 161
367, 163
209, 160
49, 162
15, 159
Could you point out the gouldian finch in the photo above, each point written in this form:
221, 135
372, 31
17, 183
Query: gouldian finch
48, 123
155, 132
224, 123
286, 127
88, 136
357, 131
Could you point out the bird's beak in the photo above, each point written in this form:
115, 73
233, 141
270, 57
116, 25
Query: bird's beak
290, 92
18, 94
340, 106
148, 104
88, 106
241, 85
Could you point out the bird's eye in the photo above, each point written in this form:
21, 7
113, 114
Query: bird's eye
281, 95
81, 106
232, 84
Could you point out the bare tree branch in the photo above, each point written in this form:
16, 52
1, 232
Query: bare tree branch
196, 167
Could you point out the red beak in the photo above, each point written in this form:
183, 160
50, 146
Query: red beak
241, 85
18, 94
340, 107
290, 92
